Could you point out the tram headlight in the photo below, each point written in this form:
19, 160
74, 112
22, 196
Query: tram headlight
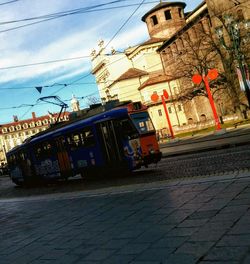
151, 151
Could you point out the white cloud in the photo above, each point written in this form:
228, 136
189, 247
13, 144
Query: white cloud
71, 46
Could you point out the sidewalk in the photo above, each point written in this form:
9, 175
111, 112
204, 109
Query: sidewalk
209, 141
203, 220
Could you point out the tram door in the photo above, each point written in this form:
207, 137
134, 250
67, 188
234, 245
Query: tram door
111, 142
63, 158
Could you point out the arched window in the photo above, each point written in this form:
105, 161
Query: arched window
39, 123
203, 118
45, 121
18, 127
32, 124
12, 128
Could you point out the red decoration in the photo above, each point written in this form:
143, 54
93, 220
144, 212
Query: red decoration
212, 74
197, 78
155, 97
165, 94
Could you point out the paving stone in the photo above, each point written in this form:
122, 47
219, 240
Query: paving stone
240, 228
133, 249
172, 242
146, 262
176, 217
115, 244
149, 236
154, 254
197, 249
119, 259
218, 262
99, 254
234, 240
203, 214
206, 234
182, 231
226, 254
246, 259
236, 202
193, 223
178, 258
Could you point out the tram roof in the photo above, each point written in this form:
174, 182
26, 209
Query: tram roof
77, 124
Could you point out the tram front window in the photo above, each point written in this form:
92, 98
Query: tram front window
142, 122
127, 129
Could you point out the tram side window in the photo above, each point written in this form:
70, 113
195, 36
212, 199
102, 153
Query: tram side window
87, 137
44, 150
60, 143
48, 149
12, 160
83, 138
127, 129
74, 141
38, 151
22, 156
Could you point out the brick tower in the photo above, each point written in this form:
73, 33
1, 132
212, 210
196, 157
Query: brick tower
165, 19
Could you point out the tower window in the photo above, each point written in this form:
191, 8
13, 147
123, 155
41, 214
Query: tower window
154, 20
168, 14
180, 12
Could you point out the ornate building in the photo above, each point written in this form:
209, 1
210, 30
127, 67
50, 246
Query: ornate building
13, 134
158, 64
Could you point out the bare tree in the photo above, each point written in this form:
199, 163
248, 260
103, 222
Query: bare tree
91, 100
200, 52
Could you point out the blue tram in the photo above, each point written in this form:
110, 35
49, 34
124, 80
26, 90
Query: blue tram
110, 142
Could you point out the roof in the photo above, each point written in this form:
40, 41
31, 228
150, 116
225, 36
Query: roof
162, 5
152, 41
131, 73
154, 80
30, 120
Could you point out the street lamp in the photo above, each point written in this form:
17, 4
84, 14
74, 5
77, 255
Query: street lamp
234, 28
211, 75
155, 98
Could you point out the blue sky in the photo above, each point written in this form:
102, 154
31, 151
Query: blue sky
66, 37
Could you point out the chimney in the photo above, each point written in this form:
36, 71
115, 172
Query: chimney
15, 118
33, 115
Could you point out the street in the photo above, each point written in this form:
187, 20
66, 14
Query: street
192, 221
191, 208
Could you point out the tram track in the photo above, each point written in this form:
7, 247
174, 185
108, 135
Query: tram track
198, 164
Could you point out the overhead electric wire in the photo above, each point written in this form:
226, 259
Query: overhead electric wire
43, 103
71, 11
106, 46
67, 14
9, 2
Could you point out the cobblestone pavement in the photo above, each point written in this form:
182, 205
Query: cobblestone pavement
220, 161
235, 160
204, 220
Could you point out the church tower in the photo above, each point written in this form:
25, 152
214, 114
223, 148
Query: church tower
165, 19
74, 104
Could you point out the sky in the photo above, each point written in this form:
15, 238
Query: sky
46, 44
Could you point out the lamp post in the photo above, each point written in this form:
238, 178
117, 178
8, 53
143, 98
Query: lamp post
234, 29
164, 96
211, 75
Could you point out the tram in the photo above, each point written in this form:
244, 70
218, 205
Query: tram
109, 142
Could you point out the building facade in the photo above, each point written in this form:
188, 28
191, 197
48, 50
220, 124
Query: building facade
165, 62
14, 133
